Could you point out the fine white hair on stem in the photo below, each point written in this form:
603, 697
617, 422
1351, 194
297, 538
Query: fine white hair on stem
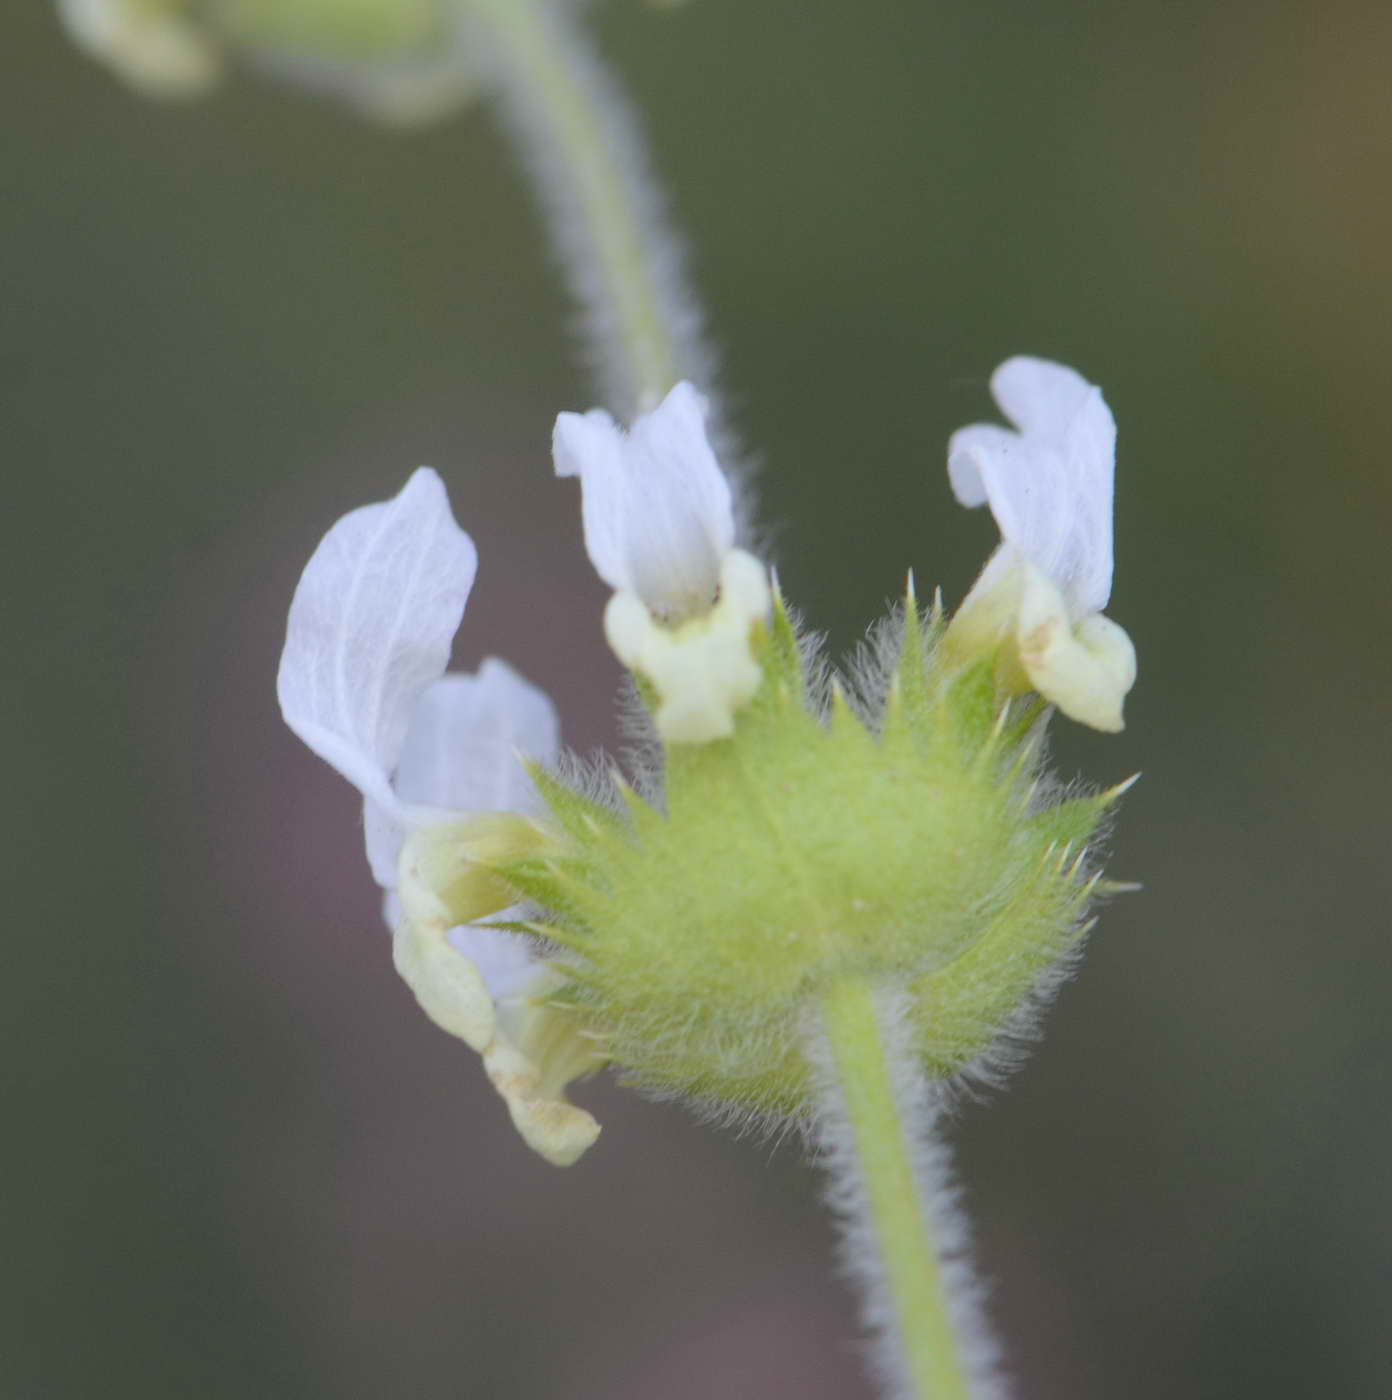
640, 323
842, 1154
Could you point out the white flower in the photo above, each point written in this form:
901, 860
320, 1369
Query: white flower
150, 43
1049, 486
421, 70
436, 757
660, 530
657, 509
410, 90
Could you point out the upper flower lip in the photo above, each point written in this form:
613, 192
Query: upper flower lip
658, 512
1049, 483
370, 628
362, 677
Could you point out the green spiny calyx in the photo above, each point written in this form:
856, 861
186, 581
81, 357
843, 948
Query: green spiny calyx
900, 840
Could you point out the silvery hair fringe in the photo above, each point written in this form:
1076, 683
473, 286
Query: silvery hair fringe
664, 257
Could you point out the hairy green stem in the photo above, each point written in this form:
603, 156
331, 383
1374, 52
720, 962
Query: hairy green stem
886, 1200
590, 170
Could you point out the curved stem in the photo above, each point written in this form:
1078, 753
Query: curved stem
591, 174
902, 1240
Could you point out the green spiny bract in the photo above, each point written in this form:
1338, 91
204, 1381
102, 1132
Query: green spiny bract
902, 839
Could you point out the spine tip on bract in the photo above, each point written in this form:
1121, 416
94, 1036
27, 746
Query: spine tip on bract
1112, 793
842, 711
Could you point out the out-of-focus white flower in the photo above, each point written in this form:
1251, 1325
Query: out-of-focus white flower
414, 90
407, 62
404, 64
152, 44
659, 529
436, 757
1049, 486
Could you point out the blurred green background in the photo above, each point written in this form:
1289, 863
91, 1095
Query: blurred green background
238, 1161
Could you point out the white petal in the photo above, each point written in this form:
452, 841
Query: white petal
533, 1085
461, 754
467, 731
963, 450
504, 960
537, 1049
591, 446
1050, 485
1041, 397
384, 829
484, 986
449, 988
657, 508
370, 628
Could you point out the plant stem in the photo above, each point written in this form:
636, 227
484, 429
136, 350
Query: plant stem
592, 177
886, 1185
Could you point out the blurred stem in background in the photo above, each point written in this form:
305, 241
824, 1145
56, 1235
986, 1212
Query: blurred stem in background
587, 159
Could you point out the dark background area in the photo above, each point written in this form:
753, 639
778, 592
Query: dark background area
238, 1161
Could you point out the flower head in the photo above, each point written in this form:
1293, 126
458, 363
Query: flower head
1049, 486
885, 826
437, 759
659, 529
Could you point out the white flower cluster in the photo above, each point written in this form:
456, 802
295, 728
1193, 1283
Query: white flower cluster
438, 757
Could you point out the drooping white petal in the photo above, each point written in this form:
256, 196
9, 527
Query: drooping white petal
484, 986
1086, 669
1049, 484
657, 509
530, 1062
449, 988
461, 755
370, 629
